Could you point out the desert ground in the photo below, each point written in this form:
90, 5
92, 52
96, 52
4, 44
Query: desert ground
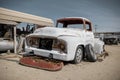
108, 69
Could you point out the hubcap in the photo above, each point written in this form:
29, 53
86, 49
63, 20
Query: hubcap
79, 55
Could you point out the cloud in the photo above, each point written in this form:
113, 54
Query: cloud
104, 13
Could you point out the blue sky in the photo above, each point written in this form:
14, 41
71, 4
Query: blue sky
103, 13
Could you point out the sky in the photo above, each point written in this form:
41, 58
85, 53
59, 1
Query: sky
104, 14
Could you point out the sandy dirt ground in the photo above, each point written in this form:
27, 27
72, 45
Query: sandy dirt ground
108, 69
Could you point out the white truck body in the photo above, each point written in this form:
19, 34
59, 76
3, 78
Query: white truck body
70, 39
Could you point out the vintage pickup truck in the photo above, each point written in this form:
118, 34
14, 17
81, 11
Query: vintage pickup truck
71, 40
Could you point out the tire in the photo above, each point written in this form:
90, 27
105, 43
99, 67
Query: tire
90, 54
78, 55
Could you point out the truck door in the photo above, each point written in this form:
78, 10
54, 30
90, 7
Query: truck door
89, 34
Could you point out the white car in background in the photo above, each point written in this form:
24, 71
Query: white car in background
71, 40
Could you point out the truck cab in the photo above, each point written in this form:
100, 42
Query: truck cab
82, 24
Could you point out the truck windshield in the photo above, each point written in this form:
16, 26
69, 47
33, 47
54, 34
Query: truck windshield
77, 26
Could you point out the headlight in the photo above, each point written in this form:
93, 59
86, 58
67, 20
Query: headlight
60, 45
32, 42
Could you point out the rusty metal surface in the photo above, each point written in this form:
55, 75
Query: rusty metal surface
41, 63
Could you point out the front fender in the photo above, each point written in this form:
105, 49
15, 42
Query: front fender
72, 46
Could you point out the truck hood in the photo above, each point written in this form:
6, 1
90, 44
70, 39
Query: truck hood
56, 32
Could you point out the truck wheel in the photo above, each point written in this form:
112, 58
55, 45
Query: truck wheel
78, 55
91, 56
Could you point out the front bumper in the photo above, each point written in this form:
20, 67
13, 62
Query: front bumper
48, 53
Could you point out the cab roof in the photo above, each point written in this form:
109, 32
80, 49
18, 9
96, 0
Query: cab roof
73, 20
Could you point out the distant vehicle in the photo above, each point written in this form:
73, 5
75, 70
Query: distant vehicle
111, 39
71, 40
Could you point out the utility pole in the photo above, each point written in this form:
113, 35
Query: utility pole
96, 28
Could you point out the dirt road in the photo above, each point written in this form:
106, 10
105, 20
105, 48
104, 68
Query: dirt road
109, 69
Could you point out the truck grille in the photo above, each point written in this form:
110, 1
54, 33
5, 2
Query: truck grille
45, 43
